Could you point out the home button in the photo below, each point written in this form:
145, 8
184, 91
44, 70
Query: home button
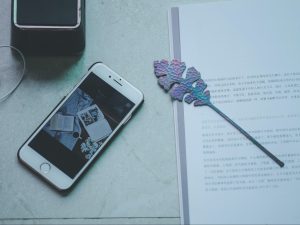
45, 167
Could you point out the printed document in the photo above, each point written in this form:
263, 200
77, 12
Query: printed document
248, 52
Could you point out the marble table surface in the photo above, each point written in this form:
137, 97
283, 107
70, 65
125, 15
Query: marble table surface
135, 181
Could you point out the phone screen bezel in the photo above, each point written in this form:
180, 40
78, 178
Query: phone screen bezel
45, 27
56, 177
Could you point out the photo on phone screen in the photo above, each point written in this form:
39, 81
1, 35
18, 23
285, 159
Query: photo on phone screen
81, 125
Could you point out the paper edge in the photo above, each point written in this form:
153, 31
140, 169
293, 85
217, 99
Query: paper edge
175, 52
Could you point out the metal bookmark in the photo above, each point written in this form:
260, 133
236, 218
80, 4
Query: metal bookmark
193, 89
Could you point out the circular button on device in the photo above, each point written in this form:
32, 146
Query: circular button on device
45, 167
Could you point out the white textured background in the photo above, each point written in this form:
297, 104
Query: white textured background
135, 181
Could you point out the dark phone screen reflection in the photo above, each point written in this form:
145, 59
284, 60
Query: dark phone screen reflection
81, 125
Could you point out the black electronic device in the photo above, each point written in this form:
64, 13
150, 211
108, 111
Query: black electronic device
49, 27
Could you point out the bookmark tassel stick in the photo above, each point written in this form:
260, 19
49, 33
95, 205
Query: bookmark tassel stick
193, 89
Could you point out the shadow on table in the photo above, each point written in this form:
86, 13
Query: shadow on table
49, 68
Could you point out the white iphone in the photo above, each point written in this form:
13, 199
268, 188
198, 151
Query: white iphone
80, 126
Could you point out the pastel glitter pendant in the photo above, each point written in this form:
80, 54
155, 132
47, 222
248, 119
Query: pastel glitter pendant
193, 89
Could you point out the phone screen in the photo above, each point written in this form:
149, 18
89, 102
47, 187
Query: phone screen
47, 12
81, 125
